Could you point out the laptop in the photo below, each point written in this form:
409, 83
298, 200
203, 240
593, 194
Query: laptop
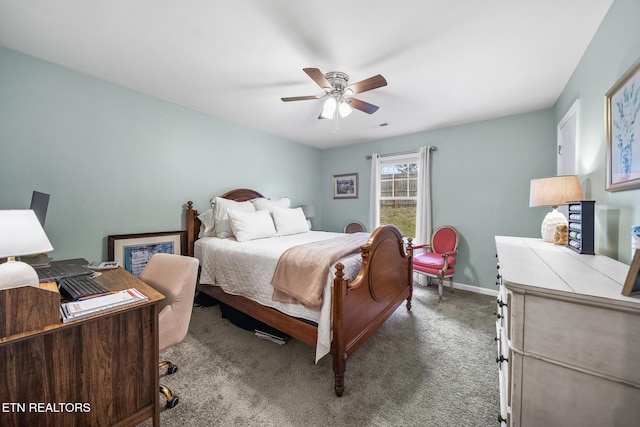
59, 270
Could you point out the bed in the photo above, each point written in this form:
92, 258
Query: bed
362, 289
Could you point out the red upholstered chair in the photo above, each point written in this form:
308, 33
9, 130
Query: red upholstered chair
438, 259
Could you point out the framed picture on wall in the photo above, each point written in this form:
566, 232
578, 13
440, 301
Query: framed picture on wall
345, 186
133, 251
622, 126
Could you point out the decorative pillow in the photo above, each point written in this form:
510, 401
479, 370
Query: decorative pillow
268, 204
221, 219
207, 229
289, 221
251, 225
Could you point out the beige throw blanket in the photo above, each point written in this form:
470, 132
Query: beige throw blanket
301, 272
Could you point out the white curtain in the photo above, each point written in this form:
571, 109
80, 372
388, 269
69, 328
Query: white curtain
374, 200
423, 211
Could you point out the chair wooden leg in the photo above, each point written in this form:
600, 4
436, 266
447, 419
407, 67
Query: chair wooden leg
451, 284
440, 283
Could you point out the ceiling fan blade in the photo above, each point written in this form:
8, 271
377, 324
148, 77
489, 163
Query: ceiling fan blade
367, 84
318, 77
299, 98
362, 106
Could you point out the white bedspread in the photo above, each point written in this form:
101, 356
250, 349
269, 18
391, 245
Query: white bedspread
246, 268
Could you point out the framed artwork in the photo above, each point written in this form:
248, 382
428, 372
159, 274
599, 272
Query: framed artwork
345, 186
133, 251
632, 284
622, 125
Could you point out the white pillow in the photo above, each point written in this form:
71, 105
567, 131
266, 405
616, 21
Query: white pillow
221, 219
289, 221
207, 228
261, 203
251, 225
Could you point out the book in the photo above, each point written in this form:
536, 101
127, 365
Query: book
101, 302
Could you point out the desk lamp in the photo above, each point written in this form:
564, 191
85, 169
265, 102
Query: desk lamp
20, 234
554, 191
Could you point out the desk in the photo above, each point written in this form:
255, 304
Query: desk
99, 371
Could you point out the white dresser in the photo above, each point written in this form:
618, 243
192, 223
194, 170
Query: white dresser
568, 341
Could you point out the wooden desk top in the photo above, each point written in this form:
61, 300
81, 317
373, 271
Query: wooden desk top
120, 279
40, 307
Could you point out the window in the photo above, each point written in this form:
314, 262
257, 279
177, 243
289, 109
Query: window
399, 192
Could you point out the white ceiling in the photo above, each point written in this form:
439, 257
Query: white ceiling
447, 62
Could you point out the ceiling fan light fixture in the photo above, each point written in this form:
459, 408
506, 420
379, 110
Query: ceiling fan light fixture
329, 108
338, 93
344, 109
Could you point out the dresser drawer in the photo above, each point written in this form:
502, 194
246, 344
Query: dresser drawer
556, 396
589, 337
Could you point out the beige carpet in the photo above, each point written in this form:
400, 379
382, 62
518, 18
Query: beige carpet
433, 366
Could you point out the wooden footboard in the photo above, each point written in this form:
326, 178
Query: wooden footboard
359, 307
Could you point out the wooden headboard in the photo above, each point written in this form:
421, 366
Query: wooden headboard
193, 223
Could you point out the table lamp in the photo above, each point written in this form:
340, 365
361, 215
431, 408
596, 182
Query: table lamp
309, 212
554, 191
20, 234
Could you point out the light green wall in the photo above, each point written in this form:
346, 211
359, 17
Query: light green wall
614, 48
480, 182
116, 161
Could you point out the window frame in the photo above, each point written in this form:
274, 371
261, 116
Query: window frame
410, 158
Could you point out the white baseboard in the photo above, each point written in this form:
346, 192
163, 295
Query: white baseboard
470, 288
477, 289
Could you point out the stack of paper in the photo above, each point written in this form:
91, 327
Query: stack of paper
99, 303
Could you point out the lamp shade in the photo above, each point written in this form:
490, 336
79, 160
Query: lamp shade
21, 234
329, 108
344, 109
555, 191
309, 211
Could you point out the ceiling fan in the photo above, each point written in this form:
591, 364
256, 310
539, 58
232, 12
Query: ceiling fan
339, 93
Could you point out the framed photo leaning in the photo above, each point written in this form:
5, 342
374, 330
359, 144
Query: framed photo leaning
133, 251
345, 186
632, 284
622, 124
